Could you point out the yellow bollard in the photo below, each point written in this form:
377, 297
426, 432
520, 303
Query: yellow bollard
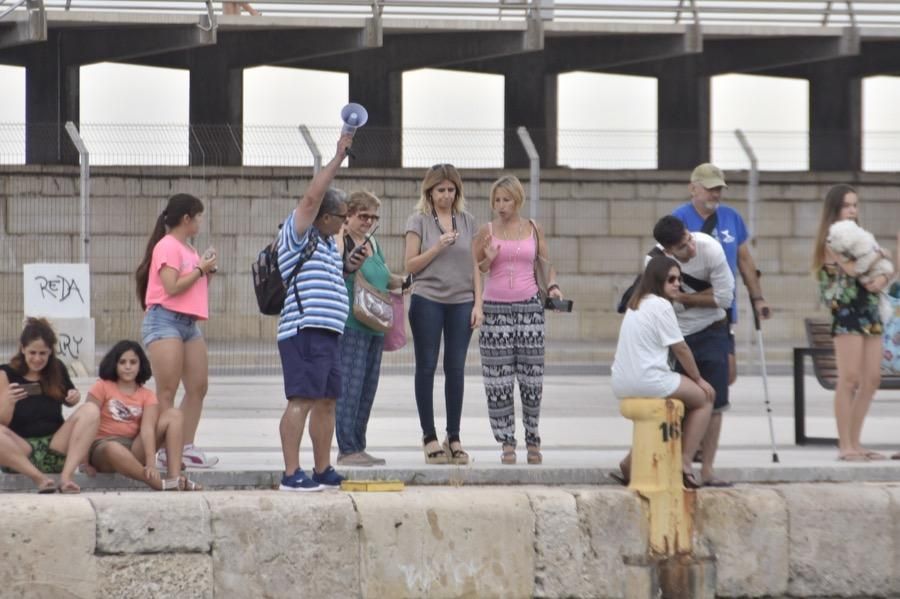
656, 471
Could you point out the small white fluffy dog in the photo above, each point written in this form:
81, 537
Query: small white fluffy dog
852, 242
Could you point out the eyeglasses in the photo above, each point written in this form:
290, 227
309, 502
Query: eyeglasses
343, 216
672, 279
369, 217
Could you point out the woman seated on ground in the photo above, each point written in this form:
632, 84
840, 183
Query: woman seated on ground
640, 367
130, 424
35, 440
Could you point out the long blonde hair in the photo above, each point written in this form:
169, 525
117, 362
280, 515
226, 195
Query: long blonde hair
436, 174
831, 212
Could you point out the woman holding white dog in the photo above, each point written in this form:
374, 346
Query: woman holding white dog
856, 327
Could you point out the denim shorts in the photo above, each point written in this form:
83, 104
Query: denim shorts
162, 323
311, 364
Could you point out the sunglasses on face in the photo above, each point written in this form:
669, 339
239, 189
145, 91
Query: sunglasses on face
672, 279
368, 217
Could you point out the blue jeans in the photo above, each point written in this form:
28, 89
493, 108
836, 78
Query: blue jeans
428, 320
360, 369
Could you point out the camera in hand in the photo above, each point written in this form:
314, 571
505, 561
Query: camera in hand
561, 305
31, 388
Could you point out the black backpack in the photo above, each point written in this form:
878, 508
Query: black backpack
269, 286
696, 284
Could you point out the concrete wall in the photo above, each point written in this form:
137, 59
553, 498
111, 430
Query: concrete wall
801, 540
598, 222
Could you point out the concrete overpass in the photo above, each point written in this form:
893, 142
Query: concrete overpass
833, 45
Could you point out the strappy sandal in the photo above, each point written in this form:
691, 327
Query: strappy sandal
170, 484
69, 488
47, 486
186, 484
535, 457
508, 456
457, 456
689, 481
438, 456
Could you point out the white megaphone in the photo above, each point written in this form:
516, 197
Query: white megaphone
354, 117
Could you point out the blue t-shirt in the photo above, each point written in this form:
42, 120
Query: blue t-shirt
730, 231
320, 284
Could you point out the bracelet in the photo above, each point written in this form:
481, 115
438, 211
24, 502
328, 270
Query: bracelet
201, 271
756, 298
552, 286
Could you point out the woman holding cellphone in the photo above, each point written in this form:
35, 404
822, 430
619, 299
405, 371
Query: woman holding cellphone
35, 440
361, 346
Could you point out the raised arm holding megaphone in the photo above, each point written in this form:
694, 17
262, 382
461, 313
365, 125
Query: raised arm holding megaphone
354, 116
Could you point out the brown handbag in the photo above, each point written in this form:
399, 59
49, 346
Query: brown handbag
372, 307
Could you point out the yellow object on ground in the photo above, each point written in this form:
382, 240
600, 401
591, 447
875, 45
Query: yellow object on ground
656, 471
372, 485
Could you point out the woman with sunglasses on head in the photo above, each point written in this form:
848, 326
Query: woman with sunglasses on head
640, 366
361, 346
512, 337
446, 301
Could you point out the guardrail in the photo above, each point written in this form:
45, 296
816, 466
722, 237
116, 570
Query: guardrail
813, 13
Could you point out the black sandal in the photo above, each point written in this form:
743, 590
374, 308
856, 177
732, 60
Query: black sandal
689, 481
457, 456
434, 457
620, 478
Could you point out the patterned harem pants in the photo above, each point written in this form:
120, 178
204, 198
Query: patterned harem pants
512, 348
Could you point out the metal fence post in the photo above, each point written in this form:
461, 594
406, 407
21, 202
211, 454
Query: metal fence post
85, 182
752, 212
313, 148
534, 175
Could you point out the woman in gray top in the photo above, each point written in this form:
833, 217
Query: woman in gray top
446, 300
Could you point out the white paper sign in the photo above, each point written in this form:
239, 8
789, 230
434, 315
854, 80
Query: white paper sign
75, 344
57, 290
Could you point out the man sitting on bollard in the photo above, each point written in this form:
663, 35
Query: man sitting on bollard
707, 291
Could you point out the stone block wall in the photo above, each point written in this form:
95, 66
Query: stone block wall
598, 224
797, 540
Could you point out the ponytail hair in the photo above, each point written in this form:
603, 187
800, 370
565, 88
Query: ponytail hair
179, 206
53, 374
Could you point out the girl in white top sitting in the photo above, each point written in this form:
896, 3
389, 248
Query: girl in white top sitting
641, 369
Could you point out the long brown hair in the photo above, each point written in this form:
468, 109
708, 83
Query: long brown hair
653, 280
831, 212
52, 377
179, 205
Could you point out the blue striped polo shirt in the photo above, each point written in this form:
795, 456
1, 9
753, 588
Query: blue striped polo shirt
320, 284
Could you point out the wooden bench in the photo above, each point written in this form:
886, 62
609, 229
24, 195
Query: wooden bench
821, 350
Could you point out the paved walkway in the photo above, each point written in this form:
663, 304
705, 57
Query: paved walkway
583, 436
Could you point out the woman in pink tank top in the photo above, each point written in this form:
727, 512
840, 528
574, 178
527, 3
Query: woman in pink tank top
511, 339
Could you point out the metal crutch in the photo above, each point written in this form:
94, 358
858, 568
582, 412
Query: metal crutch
765, 376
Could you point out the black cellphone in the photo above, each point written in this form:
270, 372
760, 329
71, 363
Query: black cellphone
562, 305
32, 388
406, 282
365, 241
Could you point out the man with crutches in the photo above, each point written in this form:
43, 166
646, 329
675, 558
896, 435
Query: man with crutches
705, 212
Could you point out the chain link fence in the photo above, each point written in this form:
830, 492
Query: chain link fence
598, 222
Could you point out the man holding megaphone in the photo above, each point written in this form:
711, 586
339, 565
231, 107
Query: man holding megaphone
354, 116
311, 323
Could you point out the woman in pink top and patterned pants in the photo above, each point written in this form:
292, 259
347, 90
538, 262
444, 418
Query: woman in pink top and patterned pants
173, 288
512, 335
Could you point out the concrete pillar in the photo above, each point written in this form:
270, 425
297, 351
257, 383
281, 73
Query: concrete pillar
682, 114
380, 142
835, 118
51, 99
216, 112
530, 101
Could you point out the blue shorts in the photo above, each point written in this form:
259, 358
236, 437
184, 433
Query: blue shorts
311, 364
162, 323
710, 348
